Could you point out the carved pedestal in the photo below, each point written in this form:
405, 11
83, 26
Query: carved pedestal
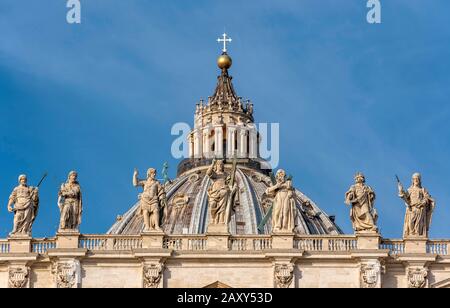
152, 239
415, 244
283, 240
20, 244
67, 239
368, 240
217, 237
217, 229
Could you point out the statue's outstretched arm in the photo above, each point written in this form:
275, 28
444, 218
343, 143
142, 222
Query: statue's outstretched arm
136, 181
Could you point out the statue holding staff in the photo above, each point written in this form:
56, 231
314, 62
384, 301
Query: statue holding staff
24, 203
221, 193
419, 208
152, 200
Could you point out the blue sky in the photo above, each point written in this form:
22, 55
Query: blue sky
101, 97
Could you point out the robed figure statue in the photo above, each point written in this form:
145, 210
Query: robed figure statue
221, 193
419, 208
24, 203
70, 204
361, 198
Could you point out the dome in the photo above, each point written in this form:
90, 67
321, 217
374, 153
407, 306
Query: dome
224, 128
188, 207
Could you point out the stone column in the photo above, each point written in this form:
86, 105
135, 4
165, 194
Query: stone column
198, 144
231, 141
206, 142
243, 151
253, 142
218, 133
191, 145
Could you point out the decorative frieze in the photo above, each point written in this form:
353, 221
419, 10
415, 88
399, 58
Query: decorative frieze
152, 275
18, 277
66, 274
371, 274
417, 277
284, 274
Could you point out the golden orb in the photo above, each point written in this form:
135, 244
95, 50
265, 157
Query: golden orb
224, 62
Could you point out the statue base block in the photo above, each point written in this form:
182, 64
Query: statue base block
66, 239
218, 237
20, 243
283, 240
368, 240
217, 229
68, 231
152, 239
417, 244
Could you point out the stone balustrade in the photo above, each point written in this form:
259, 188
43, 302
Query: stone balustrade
94, 242
108, 242
41, 246
250, 243
326, 243
395, 247
438, 247
191, 242
309, 243
4, 246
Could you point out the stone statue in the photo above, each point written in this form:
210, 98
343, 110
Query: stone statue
220, 194
419, 208
165, 173
26, 204
152, 200
284, 211
361, 197
70, 204
177, 208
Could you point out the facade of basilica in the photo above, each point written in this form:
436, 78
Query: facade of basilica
227, 220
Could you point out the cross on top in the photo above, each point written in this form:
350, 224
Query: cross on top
226, 39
